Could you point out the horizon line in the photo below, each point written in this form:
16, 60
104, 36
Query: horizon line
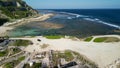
76, 8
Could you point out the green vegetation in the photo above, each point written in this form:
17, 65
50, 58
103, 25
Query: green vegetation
21, 58
21, 43
102, 39
35, 65
88, 39
107, 39
14, 12
3, 20
13, 63
54, 37
67, 55
8, 65
6, 37
3, 53
16, 50
73, 38
85, 60
10, 10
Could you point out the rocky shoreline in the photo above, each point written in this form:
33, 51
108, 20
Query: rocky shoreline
11, 25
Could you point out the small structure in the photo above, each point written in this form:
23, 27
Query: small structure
39, 56
31, 64
71, 64
18, 4
39, 40
62, 61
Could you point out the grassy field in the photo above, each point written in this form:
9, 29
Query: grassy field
88, 39
107, 39
54, 37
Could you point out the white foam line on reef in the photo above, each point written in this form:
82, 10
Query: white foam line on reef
77, 15
90, 19
99, 21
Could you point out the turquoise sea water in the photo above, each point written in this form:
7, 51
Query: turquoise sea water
73, 25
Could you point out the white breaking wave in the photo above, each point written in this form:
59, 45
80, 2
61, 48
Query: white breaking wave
77, 15
90, 19
69, 18
100, 21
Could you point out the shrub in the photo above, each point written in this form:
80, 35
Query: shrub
3, 20
21, 58
107, 39
88, 39
54, 37
3, 53
35, 65
21, 43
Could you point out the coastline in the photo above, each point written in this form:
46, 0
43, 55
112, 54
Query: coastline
11, 25
91, 50
3, 30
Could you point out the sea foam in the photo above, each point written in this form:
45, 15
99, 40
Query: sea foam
102, 22
89, 18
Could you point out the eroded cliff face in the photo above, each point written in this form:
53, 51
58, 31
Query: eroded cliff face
15, 9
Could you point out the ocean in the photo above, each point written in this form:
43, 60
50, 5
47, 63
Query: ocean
73, 22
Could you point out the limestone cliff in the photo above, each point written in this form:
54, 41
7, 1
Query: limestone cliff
14, 9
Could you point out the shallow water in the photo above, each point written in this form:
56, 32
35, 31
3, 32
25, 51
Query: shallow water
71, 25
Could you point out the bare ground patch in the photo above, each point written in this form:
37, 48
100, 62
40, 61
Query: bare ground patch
44, 46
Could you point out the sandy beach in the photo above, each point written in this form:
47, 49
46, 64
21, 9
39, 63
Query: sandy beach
10, 25
3, 30
102, 54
